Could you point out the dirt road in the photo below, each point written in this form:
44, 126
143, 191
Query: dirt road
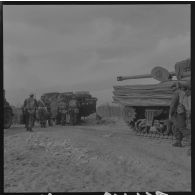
92, 158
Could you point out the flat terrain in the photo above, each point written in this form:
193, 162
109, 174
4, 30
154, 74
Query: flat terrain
88, 158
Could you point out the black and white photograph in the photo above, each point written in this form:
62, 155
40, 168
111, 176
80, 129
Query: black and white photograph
97, 97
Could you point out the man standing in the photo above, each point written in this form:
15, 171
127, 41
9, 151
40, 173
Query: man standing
42, 112
180, 112
30, 105
24, 115
187, 106
49, 114
62, 111
74, 110
177, 115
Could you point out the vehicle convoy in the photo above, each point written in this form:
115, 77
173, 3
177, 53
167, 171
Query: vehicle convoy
8, 114
76, 105
146, 107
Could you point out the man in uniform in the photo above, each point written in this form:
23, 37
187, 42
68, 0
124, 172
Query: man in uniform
24, 115
74, 110
62, 110
42, 112
180, 112
49, 114
187, 106
30, 105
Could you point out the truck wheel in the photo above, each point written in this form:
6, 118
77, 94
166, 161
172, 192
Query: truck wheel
8, 120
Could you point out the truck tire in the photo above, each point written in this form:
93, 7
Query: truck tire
8, 118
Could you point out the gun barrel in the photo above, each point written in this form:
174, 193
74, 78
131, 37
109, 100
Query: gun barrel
122, 78
142, 76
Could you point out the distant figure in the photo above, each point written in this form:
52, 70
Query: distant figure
49, 114
62, 110
180, 113
73, 111
42, 112
30, 105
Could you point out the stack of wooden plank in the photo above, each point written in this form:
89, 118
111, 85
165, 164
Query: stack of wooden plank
144, 95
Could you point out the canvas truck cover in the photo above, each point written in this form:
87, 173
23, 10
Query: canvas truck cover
144, 95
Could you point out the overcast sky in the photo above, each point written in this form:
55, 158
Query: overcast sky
61, 48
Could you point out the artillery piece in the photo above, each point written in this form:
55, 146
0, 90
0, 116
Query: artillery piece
146, 107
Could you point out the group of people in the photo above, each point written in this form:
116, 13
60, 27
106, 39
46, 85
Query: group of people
41, 110
180, 113
33, 109
67, 111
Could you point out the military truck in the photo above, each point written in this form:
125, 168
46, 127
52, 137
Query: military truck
146, 107
78, 104
8, 114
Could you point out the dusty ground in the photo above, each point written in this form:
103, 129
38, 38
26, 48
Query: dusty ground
106, 157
